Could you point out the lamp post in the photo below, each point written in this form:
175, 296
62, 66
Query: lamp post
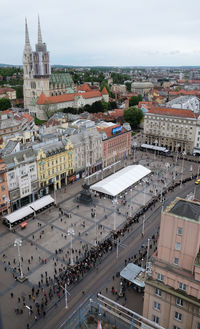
143, 221
177, 146
134, 148
18, 244
182, 167
156, 143
66, 292
167, 165
71, 233
131, 202
115, 202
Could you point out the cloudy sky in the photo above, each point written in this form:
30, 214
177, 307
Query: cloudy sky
105, 32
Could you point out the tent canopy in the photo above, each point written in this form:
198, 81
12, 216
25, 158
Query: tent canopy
120, 181
134, 274
42, 202
19, 214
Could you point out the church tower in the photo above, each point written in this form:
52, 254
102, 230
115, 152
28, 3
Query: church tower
36, 69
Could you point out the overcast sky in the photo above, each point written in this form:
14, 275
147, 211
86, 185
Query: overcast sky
105, 32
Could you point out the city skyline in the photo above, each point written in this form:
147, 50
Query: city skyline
105, 34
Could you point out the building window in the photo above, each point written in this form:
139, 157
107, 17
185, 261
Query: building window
178, 246
160, 277
175, 327
158, 292
179, 230
3, 188
157, 306
178, 316
176, 261
182, 286
179, 301
155, 319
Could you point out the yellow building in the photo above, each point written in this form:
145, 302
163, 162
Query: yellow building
55, 162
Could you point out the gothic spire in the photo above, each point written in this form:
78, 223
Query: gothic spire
27, 41
39, 32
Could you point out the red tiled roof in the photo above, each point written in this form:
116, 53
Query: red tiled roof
5, 90
104, 91
42, 100
108, 130
172, 112
144, 103
84, 87
27, 116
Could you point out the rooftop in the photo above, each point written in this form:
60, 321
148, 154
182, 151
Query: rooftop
172, 112
187, 209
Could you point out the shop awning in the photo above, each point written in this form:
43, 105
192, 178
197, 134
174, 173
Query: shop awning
42, 202
24, 224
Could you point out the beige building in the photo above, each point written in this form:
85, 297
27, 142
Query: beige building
8, 92
171, 128
172, 294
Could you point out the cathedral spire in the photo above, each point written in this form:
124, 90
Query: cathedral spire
39, 32
27, 41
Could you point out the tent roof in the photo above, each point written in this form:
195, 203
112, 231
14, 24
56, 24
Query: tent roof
19, 214
134, 274
42, 202
120, 181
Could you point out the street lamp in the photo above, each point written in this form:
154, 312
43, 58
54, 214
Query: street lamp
143, 221
18, 244
167, 165
115, 202
134, 148
131, 202
177, 147
156, 143
182, 167
66, 292
71, 233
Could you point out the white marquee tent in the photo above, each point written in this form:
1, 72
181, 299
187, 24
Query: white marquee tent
120, 181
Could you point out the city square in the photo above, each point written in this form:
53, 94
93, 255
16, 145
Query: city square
61, 235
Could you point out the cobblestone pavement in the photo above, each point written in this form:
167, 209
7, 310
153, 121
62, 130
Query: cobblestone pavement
46, 246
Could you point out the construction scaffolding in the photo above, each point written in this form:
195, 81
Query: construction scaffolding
108, 312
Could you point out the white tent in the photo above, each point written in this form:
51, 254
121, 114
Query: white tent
19, 214
120, 181
42, 202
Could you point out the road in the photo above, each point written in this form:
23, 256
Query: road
99, 277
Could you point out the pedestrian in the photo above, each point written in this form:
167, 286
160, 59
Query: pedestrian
11, 294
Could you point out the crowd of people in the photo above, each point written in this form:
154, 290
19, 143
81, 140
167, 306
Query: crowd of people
49, 289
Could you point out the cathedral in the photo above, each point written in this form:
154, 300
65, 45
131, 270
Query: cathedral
38, 78
46, 92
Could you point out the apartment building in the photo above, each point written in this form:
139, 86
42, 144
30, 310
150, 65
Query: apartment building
87, 151
22, 180
116, 142
172, 294
4, 193
172, 128
55, 162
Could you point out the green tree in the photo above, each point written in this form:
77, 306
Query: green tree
133, 116
128, 86
134, 100
19, 92
4, 104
